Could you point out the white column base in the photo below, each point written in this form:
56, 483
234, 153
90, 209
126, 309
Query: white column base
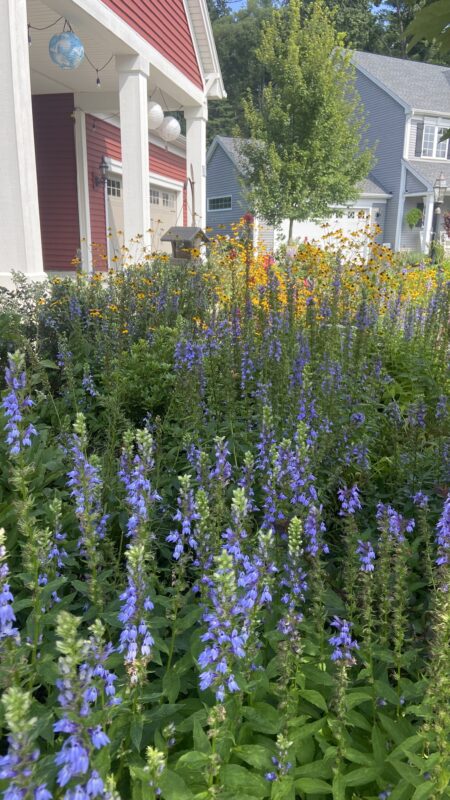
20, 232
196, 119
133, 99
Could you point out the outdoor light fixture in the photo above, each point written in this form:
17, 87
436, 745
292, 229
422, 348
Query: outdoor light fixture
66, 50
439, 189
155, 115
100, 180
170, 129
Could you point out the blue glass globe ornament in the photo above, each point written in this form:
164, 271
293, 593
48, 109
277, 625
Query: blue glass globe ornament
66, 50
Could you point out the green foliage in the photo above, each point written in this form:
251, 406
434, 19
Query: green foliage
174, 462
305, 152
413, 217
431, 22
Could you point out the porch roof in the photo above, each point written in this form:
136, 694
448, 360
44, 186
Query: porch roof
429, 171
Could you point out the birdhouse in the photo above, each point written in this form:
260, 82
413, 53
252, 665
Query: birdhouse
186, 242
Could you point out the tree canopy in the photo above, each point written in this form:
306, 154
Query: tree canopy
306, 148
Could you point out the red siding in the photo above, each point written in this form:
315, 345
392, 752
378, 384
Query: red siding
57, 179
164, 24
103, 139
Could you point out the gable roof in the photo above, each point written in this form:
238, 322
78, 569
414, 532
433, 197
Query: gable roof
424, 87
206, 48
427, 171
232, 147
369, 186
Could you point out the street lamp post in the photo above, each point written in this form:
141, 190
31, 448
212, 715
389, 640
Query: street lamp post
439, 189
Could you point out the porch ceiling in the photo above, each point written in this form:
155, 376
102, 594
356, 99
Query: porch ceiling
99, 43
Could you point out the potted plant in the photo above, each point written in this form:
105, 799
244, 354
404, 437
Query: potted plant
413, 217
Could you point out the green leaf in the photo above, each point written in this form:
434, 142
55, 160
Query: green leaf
424, 791
136, 728
358, 720
254, 754
357, 757
201, 741
194, 760
315, 698
308, 730
283, 790
173, 786
407, 773
362, 776
171, 685
353, 699
316, 769
338, 787
239, 780
378, 744
313, 786
263, 717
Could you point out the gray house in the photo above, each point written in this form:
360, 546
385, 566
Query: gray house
407, 107
227, 201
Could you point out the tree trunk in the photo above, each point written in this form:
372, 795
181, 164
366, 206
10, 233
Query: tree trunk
291, 226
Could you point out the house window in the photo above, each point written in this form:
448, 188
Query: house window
432, 147
168, 199
219, 203
154, 197
114, 187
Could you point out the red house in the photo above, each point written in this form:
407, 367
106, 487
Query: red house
94, 164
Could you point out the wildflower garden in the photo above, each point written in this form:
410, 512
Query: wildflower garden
225, 547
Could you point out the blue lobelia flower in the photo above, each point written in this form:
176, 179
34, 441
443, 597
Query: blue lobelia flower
443, 535
366, 555
135, 469
16, 405
349, 500
342, 643
186, 515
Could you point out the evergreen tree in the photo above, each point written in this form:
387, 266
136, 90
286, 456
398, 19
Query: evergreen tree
306, 150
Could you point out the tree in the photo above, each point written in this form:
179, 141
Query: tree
237, 37
217, 9
306, 149
432, 22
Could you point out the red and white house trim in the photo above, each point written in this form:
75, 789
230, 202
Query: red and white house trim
56, 128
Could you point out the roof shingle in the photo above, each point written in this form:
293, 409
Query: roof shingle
425, 87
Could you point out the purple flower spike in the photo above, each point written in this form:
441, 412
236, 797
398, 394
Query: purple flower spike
349, 500
342, 643
366, 556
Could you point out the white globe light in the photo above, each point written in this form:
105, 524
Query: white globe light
170, 129
155, 115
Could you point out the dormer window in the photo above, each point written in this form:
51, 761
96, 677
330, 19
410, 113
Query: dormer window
432, 147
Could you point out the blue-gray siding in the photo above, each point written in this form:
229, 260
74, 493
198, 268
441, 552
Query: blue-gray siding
410, 238
386, 124
223, 179
413, 184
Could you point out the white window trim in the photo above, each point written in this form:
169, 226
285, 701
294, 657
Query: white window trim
220, 197
436, 123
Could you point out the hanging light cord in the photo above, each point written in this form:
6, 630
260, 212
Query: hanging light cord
46, 27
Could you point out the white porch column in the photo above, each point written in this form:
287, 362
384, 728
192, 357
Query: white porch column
428, 222
20, 232
196, 119
133, 100
84, 213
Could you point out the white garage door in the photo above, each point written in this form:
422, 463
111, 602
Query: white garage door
163, 214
